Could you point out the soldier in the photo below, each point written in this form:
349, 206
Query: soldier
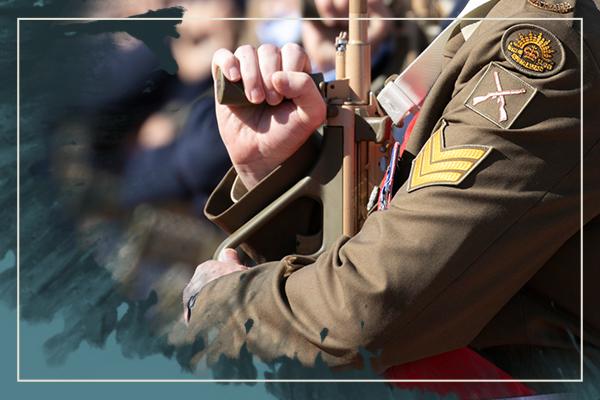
480, 246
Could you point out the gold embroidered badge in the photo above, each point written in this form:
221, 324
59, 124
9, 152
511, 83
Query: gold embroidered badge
563, 7
533, 50
437, 164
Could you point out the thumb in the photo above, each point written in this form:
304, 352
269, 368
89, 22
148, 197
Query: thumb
300, 88
229, 255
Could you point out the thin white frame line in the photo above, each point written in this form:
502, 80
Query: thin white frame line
289, 380
580, 380
18, 200
581, 201
288, 19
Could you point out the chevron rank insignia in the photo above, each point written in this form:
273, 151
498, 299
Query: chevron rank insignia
500, 96
437, 164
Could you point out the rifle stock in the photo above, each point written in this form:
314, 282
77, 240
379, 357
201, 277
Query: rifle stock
354, 139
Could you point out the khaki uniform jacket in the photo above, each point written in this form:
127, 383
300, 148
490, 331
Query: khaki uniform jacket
490, 261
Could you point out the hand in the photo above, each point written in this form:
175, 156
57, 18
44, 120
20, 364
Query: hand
206, 272
258, 139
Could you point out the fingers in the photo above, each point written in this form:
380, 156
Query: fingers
228, 63
299, 87
293, 58
269, 60
256, 67
229, 255
253, 85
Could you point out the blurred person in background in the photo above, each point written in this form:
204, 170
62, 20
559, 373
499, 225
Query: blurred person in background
394, 44
283, 24
148, 150
178, 152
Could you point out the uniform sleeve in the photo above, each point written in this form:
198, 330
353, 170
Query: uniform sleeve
425, 276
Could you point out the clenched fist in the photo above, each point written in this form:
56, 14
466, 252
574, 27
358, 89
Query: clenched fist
260, 138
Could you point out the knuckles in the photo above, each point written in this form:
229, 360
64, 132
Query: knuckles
267, 48
244, 50
291, 48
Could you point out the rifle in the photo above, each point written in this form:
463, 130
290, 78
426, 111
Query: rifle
355, 145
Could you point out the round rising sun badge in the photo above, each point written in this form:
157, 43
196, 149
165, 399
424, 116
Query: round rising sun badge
533, 50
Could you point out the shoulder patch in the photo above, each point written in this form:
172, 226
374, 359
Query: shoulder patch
556, 6
437, 164
533, 50
500, 96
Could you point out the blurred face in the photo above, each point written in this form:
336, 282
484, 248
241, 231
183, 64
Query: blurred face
200, 37
318, 37
278, 8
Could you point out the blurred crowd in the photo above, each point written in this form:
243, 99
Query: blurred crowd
147, 147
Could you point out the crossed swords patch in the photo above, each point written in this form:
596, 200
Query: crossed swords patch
500, 96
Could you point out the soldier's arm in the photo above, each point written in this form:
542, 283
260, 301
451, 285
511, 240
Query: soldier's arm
426, 275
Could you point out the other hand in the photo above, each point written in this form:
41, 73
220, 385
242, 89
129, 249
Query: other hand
206, 272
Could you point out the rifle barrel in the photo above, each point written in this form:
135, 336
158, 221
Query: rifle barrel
358, 53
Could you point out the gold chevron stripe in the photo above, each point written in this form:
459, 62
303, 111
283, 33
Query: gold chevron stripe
437, 165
